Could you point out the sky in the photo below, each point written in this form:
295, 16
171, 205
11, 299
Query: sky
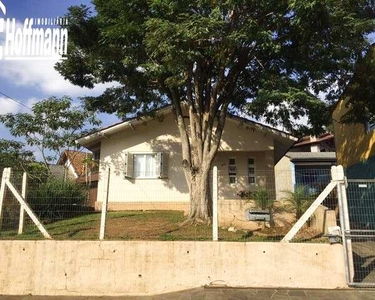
29, 81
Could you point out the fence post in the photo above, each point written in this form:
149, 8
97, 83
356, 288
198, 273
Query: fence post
5, 176
215, 223
22, 208
28, 210
104, 209
345, 223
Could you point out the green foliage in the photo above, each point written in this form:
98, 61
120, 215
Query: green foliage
13, 155
270, 58
53, 125
262, 199
360, 93
57, 199
298, 201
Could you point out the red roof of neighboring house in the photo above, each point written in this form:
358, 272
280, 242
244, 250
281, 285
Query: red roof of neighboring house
76, 158
308, 140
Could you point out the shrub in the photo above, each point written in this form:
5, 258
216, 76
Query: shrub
262, 201
57, 199
299, 200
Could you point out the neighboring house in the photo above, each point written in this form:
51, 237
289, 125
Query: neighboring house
308, 164
355, 145
76, 167
141, 161
74, 163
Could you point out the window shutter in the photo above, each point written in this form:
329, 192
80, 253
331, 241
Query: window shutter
129, 165
162, 164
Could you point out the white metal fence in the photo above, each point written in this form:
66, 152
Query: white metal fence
247, 205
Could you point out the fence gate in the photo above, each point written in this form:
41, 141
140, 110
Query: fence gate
359, 231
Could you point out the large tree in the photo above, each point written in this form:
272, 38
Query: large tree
53, 126
269, 58
14, 155
360, 93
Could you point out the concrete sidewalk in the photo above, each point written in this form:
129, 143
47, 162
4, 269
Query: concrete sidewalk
230, 294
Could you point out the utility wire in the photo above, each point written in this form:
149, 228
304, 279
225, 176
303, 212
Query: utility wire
15, 101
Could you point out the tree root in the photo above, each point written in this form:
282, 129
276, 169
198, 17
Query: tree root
192, 221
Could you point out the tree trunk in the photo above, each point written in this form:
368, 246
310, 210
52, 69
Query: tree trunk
200, 197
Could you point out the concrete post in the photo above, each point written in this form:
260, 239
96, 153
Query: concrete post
22, 209
215, 223
104, 209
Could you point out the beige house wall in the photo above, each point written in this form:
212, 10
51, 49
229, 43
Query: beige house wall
264, 174
162, 136
283, 178
92, 268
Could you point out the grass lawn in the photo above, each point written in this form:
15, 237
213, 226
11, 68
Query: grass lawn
134, 225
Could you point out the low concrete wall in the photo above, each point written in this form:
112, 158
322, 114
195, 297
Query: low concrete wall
144, 268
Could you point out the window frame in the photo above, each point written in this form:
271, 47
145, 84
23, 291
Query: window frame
253, 165
232, 174
155, 175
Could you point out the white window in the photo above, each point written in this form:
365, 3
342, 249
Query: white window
251, 170
144, 165
232, 171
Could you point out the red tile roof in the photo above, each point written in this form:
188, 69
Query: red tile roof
77, 159
308, 140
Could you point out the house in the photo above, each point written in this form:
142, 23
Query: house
140, 161
74, 163
355, 142
145, 154
308, 163
76, 167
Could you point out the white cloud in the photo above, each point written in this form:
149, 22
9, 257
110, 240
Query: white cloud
43, 76
8, 106
30, 103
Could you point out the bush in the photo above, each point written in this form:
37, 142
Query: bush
57, 199
261, 199
299, 200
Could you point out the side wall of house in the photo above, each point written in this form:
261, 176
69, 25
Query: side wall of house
172, 192
354, 146
283, 177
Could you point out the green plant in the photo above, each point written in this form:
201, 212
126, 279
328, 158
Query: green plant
262, 199
57, 199
298, 201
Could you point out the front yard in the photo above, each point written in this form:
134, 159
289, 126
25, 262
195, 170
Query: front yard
145, 225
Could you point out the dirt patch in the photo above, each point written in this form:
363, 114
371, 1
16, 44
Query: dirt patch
277, 233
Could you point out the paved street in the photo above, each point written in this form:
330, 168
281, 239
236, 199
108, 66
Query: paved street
231, 294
